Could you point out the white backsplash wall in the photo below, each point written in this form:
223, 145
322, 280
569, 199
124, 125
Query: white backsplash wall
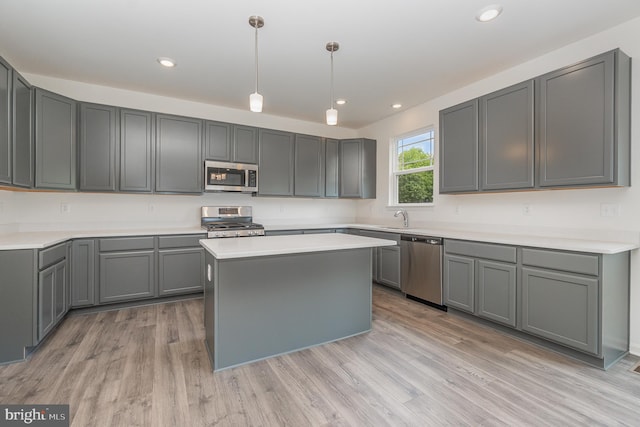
581, 213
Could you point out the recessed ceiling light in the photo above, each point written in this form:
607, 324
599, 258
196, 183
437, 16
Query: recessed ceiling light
396, 106
489, 13
341, 101
167, 62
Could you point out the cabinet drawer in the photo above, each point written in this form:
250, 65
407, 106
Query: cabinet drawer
481, 250
126, 244
189, 241
381, 235
50, 256
564, 261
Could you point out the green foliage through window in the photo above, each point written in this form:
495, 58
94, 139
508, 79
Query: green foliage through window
413, 170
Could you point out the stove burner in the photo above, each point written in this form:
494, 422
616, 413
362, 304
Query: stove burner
225, 221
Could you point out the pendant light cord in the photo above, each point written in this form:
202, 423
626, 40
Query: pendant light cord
256, 51
331, 100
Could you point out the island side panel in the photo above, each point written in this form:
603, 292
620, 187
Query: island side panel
209, 305
277, 304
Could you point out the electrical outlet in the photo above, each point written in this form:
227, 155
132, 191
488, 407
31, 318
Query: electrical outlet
609, 210
526, 209
458, 209
65, 207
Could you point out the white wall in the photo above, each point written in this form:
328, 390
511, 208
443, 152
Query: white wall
566, 212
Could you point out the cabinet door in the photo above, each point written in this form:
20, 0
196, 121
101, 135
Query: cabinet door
331, 168
46, 301
55, 141
23, 150
217, 141
178, 154
459, 283
180, 271
127, 276
506, 138
576, 119
276, 163
375, 253
5, 122
389, 266
357, 168
136, 151
82, 273
60, 290
497, 292
245, 144
309, 166
459, 148
97, 145
561, 307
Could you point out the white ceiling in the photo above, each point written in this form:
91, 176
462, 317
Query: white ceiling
406, 51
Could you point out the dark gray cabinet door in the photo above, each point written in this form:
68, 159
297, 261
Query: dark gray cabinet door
178, 154
127, 276
218, 137
6, 80
245, 144
459, 148
55, 138
506, 138
83, 273
309, 166
389, 266
180, 270
577, 123
46, 301
459, 282
98, 141
136, 151
357, 168
23, 149
331, 182
276, 163
61, 291
561, 307
497, 292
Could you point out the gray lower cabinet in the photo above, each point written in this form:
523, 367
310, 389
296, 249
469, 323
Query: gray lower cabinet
276, 163
127, 269
52, 288
497, 292
178, 151
506, 138
6, 81
584, 122
385, 261
83, 273
55, 141
136, 151
357, 168
459, 282
97, 147
331, 169
459, 148
309, 166
22, 138
180, 264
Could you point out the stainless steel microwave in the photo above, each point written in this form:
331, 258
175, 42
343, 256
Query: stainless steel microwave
227, 176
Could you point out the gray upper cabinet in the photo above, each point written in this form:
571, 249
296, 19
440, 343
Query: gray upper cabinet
218, 137
6, 81
245, 144
309, 166
276, 163
459, 148
98, 141
506, 138
136, 151
584, 123
23, 150
178, 154
331, 182
55, 138
357, 168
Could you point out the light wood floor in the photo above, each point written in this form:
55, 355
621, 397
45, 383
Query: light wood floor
148, 366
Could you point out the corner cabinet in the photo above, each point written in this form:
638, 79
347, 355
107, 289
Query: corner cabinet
53, 288
55, 141
83, 273
98, 143
309, 166
584, 123
6, 82
357, 168
331, 169
459, 148
276, 163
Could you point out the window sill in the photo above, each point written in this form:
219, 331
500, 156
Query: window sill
411, 205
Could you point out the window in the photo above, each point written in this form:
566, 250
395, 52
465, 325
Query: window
412, 164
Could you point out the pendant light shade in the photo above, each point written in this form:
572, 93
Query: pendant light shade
255, 99
332, 113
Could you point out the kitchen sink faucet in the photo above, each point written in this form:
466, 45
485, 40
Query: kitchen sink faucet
405, 216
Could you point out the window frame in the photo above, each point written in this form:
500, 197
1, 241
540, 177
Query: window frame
394, 174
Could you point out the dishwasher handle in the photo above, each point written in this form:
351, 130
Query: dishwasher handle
422, 239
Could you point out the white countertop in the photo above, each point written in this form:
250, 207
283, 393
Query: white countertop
280, 245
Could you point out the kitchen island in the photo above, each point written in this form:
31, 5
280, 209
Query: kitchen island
272, 295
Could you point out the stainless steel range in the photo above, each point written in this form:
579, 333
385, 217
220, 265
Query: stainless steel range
229, 221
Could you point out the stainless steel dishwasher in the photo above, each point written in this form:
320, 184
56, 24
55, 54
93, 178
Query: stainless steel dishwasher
421, 271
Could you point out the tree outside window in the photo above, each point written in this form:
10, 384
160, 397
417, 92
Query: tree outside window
413, 169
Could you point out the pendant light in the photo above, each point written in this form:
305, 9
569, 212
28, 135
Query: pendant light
255, 99
332, 113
